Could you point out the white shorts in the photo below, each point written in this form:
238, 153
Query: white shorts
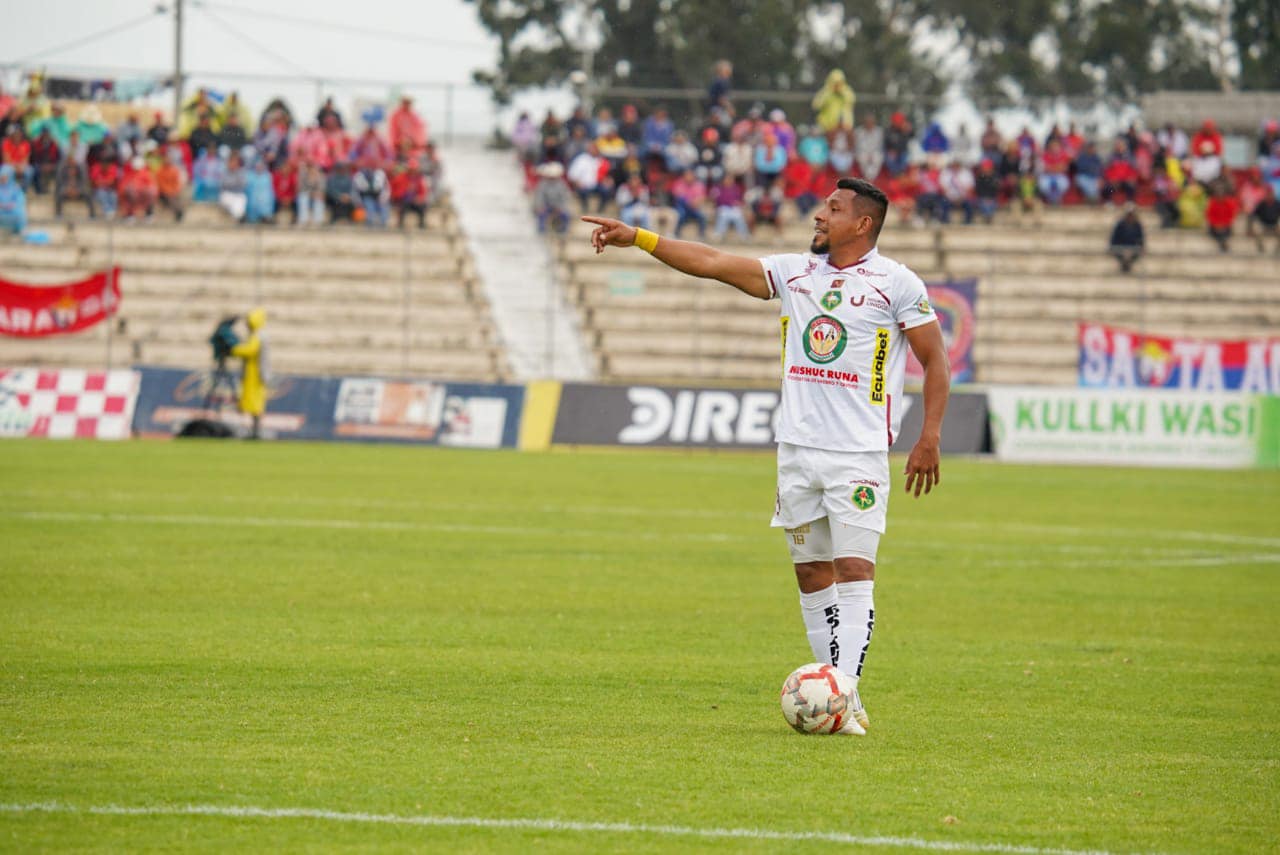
846, 487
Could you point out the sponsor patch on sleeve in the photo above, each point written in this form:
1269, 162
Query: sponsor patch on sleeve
923, 306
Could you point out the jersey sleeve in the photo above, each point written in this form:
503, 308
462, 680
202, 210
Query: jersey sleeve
912, 307
774, 269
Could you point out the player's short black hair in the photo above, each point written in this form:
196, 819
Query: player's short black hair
873, 196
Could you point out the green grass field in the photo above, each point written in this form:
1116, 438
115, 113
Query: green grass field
1064, 658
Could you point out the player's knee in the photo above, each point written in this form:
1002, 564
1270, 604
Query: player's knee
850, 569
813, 575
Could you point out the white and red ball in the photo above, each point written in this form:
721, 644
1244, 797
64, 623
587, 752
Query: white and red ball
816, 698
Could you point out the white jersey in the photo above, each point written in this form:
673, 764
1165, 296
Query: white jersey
844, 354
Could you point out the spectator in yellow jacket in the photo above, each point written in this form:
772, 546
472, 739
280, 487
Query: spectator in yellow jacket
834, 103
253, 382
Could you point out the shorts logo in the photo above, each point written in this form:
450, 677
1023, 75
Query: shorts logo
831, 300
797, 534
864, 498
923, 306
877, 366
824, 339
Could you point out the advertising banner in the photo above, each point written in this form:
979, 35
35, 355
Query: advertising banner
667, 416
455, 414
297, 407
1121, 358
351, 408
67, 404
955, 303
33, 311
690, 417
1138, 427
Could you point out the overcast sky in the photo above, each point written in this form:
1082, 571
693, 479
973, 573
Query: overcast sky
424, 41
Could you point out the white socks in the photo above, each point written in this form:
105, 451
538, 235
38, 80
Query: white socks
821, 620
838, 620
857, 615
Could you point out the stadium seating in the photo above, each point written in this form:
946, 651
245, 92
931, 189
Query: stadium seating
1035, 283
341, 300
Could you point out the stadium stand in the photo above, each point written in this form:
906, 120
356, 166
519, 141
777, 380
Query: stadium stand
648, 323
340, 301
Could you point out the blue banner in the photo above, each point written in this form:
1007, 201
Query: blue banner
955, 303
366, 409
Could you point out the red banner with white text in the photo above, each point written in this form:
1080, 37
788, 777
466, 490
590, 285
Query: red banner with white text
33, 311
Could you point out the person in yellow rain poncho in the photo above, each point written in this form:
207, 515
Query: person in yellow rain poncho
834, 103
257, 369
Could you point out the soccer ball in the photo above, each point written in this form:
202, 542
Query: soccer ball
815, 698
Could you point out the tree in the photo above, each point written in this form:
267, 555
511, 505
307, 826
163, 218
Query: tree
1256, 27
667, 43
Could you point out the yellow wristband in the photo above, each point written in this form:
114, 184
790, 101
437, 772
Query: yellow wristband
646, 240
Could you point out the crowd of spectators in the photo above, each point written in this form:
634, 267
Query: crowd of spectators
742, 173
258, 171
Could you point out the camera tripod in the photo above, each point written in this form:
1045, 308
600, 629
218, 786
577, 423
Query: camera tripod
223, 380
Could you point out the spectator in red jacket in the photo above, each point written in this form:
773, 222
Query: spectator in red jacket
16, 152
409, 193
104, 176
1119, 176
1208, 133
1220, 213
284, 183
797, 179
138, 191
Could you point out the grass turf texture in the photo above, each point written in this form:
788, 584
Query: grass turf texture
1060, 658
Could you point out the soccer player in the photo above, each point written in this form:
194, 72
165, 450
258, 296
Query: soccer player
848, 316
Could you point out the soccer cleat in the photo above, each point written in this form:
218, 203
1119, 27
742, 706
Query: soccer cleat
851, 728
858, 711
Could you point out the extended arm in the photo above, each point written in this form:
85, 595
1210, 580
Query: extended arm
923, 462
696, 259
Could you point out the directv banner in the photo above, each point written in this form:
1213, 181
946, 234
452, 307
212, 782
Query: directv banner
348, 408
1114, 357
1132, 427
690, 417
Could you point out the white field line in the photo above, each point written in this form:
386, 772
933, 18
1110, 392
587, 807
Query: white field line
552, 825
1164, 557
340, 524
762, 517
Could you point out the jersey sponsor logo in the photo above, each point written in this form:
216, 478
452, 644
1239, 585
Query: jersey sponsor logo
923, 306
878, 360
862, 271
831, 300
824, 339
864, 498
838, 283
785, 319
796, 289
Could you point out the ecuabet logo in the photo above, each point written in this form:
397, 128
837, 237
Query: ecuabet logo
824, 339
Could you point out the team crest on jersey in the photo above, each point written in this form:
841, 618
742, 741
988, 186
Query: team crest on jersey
824, 339
831, 300
864, 498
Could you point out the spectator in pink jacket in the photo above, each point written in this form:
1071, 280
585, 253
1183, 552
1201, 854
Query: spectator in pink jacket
408, 130
310, 146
